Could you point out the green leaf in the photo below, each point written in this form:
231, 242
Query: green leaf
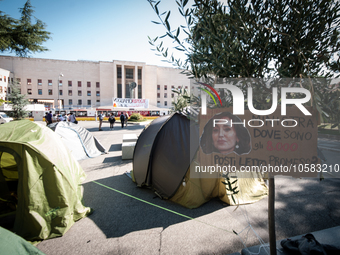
185, 3
167, 25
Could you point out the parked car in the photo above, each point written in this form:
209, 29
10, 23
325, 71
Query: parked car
4, 118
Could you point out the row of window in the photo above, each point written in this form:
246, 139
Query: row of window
49, 82
4, 78
128, 73
172, 87
159, 103
80, 102
3, 89
50, 92
165, 95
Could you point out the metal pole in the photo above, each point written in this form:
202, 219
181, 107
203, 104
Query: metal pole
271, 216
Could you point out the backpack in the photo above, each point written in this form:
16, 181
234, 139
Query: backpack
122, 117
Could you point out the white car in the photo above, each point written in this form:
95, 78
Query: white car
4, 118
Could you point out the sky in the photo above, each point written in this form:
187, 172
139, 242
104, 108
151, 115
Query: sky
99, 30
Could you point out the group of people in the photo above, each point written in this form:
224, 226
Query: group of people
123, 119
70, 117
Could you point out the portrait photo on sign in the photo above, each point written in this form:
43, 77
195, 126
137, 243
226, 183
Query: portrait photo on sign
223, 135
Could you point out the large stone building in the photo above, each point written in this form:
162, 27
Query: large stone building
90, 84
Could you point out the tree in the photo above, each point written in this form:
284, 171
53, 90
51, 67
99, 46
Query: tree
22, 36
255, 38
18, 102
182, 101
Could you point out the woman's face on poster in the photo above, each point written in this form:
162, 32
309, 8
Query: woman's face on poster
224, 137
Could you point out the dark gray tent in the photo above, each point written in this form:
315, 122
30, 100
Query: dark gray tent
78, 139
162, 157
162, 154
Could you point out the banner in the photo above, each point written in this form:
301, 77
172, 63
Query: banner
130, 102
273, 144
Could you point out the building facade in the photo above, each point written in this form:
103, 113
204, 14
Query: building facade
4, 81
66, 85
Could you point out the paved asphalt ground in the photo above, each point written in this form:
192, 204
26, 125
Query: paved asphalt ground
122, 224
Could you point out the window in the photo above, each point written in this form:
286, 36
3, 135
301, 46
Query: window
4, 78
70, 102
50, 92
39, 91
127, 91
158, 87
88, 102
139, 91
60, 92
119, 90
0, 89
97, 93
89, 93
70, 83
129, 73
49, 82
97, 85
79, 84
80, 102
39, 82
139, 74
18, 80
0, 77
60, 82
172, 95
98, 101
186, 87
79, 93
165, 103
119, 72
158, 95
165, 95
70, 92
165, 87
29, 82
89, 84
172, 87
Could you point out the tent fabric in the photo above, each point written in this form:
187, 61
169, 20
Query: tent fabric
49, 180
11, 244
78, 139
162, 161
143, 149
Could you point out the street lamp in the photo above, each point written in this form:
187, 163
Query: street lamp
60, 75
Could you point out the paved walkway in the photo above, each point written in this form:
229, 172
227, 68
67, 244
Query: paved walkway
121, 224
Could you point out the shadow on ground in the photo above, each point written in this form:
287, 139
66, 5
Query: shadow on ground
117, 214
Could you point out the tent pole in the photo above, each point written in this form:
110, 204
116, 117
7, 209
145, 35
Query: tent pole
271, 216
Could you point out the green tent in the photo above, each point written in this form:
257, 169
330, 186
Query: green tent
12, 244
49, 191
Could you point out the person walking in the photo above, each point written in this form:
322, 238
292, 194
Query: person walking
72, 118
112, 121
100, 117
122, 119
48, 118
